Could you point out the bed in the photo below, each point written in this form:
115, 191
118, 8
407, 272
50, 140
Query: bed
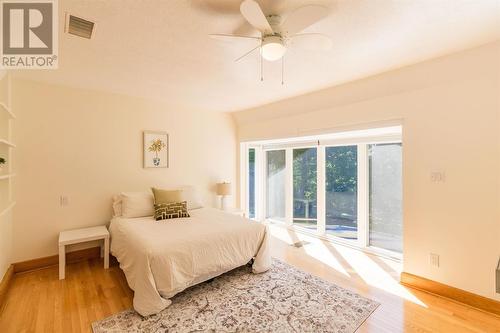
162, 258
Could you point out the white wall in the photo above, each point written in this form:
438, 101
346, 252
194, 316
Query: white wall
88, 145
449, 108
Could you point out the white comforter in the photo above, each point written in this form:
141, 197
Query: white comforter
162, 258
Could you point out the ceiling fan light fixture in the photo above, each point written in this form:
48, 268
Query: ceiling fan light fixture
272, 48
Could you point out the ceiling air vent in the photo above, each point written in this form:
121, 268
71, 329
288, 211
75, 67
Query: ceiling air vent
79, 27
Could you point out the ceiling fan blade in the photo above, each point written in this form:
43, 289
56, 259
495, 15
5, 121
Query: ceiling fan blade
303, 17
243, 56
312, 41
231, 38
252, 12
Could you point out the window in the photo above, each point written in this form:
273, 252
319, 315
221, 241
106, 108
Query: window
341, 188
304, 187
386, 220
275, 186
345, 186
251, 183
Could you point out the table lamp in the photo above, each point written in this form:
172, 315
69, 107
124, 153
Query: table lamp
223, 189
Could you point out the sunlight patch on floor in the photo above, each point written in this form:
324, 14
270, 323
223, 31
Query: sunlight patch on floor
321, 253
359, 263
374, 275
392, 264
290, 237
281, 234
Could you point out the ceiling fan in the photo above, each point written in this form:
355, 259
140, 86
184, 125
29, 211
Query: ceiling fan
277, 33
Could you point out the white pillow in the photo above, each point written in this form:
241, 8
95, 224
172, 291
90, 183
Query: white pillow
190, 195
117, 205
137, 204
132, 204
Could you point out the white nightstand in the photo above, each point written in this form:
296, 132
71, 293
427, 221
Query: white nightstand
79, 236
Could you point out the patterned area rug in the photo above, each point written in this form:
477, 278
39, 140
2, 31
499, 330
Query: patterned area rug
284, 299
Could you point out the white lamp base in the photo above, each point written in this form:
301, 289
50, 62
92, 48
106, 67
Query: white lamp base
223, 202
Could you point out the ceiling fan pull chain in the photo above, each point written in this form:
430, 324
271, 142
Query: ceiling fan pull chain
282, 70
261, 68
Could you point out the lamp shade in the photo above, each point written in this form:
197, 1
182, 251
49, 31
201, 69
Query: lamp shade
223, 188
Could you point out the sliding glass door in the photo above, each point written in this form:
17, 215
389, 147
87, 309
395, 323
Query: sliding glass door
275, 184
305, 187
251, 183
349, 190
385, 184
341, 182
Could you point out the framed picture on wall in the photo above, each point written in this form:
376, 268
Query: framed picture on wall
155, 149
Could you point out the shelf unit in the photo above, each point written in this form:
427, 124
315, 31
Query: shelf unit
7, 208
6, 173
6, 145
7, 176
8, 110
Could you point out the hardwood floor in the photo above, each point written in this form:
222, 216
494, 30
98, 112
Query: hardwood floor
38, 302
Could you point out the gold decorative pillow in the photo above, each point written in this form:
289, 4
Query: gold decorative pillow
167, 196
171, 210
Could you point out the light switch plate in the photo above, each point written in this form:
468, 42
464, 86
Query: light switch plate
437, 176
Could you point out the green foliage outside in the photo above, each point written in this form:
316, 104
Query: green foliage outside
341, 169
341, 176
304, 173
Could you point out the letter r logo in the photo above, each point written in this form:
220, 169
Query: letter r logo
27, 28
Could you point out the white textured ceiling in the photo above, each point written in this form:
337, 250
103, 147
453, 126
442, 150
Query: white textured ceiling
159, 49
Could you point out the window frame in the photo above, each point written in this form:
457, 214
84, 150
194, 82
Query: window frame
363, 190
291, 198
373, 248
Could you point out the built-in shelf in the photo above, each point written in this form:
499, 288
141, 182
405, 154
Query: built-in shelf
7, 109
9, 207
6, 148
8, 143
7, 176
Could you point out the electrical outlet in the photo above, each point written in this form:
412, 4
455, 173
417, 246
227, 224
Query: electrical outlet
434, 259
63, 200
437, 176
